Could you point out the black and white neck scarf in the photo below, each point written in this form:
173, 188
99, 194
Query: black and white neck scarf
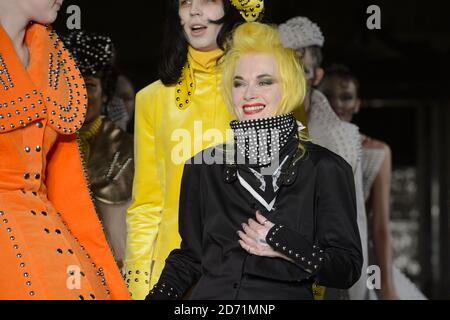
259, 141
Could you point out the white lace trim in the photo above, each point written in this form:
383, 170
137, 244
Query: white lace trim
327, 130
372, 159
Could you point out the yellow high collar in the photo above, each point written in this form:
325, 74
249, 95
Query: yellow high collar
203, 61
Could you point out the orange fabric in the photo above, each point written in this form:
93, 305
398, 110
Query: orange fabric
48, 223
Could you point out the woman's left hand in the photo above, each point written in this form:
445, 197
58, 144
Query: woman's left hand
253, 237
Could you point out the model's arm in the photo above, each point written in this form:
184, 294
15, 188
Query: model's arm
144, 214
183, 266
335, 257
379, 202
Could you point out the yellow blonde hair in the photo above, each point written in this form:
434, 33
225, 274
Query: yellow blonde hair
255, 37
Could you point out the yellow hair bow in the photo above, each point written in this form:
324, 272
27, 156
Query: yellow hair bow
250, 9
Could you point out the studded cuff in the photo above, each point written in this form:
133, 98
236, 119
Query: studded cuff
136, 276
163, 291
138, 282
295, 246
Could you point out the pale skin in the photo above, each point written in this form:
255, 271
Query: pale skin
253, 236
379, 200
16, 15
257, 93
313, 73
344, 100
257, 88
196, 17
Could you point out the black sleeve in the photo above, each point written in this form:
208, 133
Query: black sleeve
183, 266
335, 258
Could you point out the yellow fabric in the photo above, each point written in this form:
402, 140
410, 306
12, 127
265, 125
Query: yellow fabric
152, 219
185, 88
86, 134
250, 9
318, 291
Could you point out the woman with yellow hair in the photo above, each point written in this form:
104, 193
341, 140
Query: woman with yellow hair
271, 214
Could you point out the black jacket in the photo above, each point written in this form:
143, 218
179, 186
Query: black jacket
315, 219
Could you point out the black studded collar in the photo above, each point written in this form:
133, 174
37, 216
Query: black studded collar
260, 141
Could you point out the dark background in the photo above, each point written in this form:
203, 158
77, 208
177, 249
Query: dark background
403, 69
407, 57
407, 61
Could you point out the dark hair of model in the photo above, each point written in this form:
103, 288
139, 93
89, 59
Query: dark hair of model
173, 55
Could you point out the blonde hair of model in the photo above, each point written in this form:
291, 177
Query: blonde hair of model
255, 37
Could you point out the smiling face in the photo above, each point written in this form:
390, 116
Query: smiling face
257, 90
196, 17
41, 11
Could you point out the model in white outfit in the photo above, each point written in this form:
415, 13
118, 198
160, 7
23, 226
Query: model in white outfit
344, 139
341, 89
326, 129
372, 160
